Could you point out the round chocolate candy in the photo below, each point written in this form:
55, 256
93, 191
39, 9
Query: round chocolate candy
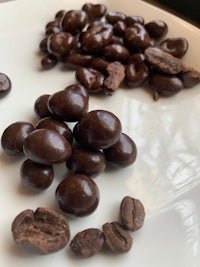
5, 84
77, 195
47, 146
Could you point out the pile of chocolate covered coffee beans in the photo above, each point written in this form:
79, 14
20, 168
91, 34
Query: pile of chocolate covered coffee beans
109, 49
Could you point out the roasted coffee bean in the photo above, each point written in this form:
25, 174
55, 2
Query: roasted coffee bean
49, 61
57, 125
99, 64
157, 29
98, 129
165, 85
136, 71
117, 238
47, 146
87, 243
5, 84
91, 79
13, 137
94, 11
119, 28
137, 37
163, 61
36, 176
116, 52
116, 73
96, 38
40, 106
45, 229
77, 195
130, 20
60, 43
74, 21
75, 60
132, 213
177, 47
123, 153
112, 17
190, 77
86, 161
69, 104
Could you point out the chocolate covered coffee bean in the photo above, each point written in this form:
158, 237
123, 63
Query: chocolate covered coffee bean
5, 84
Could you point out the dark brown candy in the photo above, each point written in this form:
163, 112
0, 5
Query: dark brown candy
116, 52
119, 28
137, 37
76, 59
47, 146
91, 79
60, 43
94, 11
49, 61
116, 74
123, 153
157, 29
132, 213
41, 107
69, 104
52, 27
13, 137
136, 71
87, 243
96, 38
45, 229
36, 176
113, 16
98, 129
57, 125
86, 161
43, 45
5, 84
117, 238
165, 85
175, 46
77, 195
163, 61
130, 20
99, 64
74, 21
190, 77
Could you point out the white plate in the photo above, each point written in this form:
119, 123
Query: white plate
165, 176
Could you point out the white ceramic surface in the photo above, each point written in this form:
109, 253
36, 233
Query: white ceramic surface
166, 175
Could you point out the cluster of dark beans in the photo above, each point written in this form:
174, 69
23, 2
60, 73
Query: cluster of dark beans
48, 231
111, 48
95, 140
5, 84
115, 235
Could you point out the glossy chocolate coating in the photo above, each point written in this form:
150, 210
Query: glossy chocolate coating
69, 104
175, 46
94, 11
47, 146
90, 162
123, 153
5, 84
113, 16
119, 28
49, 61
98, 129
36, 176
40, 106
116, 52
91, 79
96, 38
77, 195
157, 29
137, 37
130, 20
74, 21
57, 125
13, 137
